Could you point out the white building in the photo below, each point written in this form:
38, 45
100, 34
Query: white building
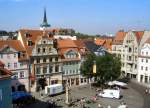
13, 55
144, 63
126, 46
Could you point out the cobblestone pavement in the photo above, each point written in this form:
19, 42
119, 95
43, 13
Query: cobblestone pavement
130, 96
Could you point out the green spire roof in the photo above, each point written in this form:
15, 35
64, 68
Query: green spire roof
45, 23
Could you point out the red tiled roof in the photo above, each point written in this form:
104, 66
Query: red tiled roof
105, 42
119, 37
139, 35
66, 43
16, 44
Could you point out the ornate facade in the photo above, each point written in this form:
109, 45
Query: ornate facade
46, 63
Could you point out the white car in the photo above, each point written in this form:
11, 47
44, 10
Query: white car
110, 93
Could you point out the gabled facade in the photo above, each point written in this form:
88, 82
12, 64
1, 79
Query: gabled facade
126, 47
144, 63
46, 63
71, 60
13, 55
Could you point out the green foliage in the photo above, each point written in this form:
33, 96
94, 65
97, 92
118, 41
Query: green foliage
87, 66
108, 68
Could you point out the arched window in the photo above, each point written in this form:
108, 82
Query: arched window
43, 50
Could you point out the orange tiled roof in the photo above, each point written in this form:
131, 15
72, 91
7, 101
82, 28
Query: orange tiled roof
105, 42
66, 43
80, 43
119, 37
100, 41
62, 51
139, 35
81, 47
16, 44
34, 36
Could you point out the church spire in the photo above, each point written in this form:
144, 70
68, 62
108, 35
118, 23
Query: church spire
45, 23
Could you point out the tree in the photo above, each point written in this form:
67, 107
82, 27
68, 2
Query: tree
86, 67
108, 68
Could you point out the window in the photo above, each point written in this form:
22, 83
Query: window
56, 68
44, 60
8, 55
38, 60
15, 65
130, 58
15, 76
70, 71
142, 52
29, 42
43, 50
1, 55
50, 49
130, 50
146, 68
50, 59
21, 64
21, 74
44, 70
44, 42
141, 67
8, 65
39, 50
135, 49
146, 60
50, 69
73, 71
66, 71
135, 66
141, 60
135, 58
56, 58
38, 70
14, 55
146, 53
76, 71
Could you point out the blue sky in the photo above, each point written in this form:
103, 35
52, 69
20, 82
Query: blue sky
86, 16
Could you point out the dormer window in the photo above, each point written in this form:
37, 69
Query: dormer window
27, 35
30, 43
50, 34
